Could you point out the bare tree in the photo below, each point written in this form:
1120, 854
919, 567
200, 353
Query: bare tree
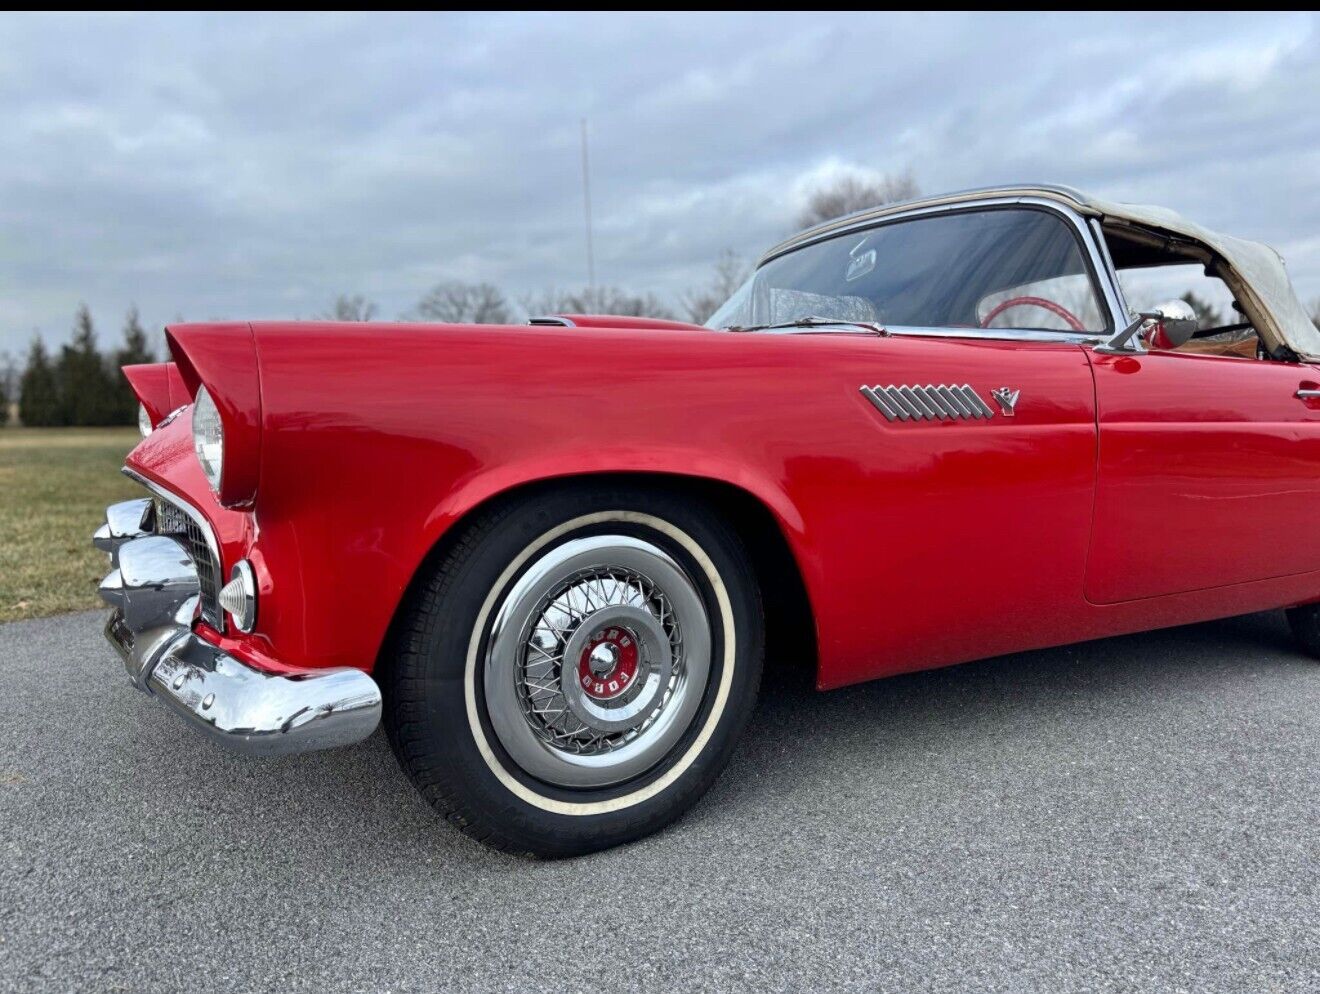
351, 308
456, 302
1315, 312
730, 273
855, 192
598, 300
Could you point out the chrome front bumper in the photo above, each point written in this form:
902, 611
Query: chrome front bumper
154, 592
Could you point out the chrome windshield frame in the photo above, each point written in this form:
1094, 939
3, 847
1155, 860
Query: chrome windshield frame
1096, 255
1004, 334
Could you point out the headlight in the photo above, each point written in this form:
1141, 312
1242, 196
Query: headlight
208, 438
144, 421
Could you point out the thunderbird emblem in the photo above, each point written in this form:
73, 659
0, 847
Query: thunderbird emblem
1006, 399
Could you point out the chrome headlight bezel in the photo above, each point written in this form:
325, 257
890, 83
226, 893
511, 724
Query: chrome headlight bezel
208, 431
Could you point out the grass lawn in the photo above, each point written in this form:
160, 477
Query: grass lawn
54, 486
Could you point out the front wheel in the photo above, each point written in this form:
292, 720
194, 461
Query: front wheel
577, 669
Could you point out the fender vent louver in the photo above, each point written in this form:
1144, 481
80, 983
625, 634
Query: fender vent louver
928, 403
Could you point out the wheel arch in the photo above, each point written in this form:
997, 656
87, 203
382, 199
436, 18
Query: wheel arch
791, 634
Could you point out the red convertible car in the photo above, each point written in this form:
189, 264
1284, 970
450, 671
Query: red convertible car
549, 558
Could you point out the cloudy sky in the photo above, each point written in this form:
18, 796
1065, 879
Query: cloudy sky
255, 166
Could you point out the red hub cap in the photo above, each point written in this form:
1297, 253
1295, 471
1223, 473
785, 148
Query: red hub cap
608, 664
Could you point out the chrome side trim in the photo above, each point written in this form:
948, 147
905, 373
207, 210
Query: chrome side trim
552, 321
199, 519
999, 334
928, 403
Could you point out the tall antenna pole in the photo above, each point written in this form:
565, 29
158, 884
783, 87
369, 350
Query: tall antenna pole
586, 207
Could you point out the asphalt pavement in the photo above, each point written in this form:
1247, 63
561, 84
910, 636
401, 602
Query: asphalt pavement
1133, 814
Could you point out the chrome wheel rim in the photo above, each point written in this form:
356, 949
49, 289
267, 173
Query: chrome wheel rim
597, 661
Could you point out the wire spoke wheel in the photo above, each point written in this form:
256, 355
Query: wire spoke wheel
597, 661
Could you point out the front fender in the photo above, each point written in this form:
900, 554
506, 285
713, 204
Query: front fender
677, 463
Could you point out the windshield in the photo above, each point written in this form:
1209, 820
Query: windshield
991, 268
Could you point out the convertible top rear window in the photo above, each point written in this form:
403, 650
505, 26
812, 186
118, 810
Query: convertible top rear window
971, 269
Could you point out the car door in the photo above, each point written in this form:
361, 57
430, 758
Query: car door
951, 535
1208, 473
956, 463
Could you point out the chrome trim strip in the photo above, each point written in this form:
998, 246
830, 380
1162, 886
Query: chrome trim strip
918, 397
955, 401
982, 408
1000, 334
552, 321
904, 402
889, 410
1120, 299
184, 505
1052, 192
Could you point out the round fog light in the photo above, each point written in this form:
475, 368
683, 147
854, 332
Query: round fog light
239, 596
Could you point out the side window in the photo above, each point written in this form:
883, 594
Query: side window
1017, 267
1063, 303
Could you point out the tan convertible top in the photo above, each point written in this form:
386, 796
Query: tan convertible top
1254, 272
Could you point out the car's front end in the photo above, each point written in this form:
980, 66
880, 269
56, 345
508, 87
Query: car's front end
184, 596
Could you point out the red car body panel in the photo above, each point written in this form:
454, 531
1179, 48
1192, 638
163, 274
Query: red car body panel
1209, 474
159, 387
919, 544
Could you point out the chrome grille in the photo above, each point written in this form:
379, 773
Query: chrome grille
174, 521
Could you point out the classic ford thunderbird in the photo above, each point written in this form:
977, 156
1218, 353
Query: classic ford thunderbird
549, 558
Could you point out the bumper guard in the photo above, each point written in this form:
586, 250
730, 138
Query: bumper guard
153, 590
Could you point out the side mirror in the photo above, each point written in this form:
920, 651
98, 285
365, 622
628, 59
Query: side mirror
1173, 323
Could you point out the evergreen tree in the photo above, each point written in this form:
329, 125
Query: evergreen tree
87, 393
1207, 314
39, 401
9, 377
136, 351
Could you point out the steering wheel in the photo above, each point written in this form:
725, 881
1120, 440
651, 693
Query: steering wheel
1056, 309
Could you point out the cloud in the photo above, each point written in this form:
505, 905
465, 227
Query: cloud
225, 166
